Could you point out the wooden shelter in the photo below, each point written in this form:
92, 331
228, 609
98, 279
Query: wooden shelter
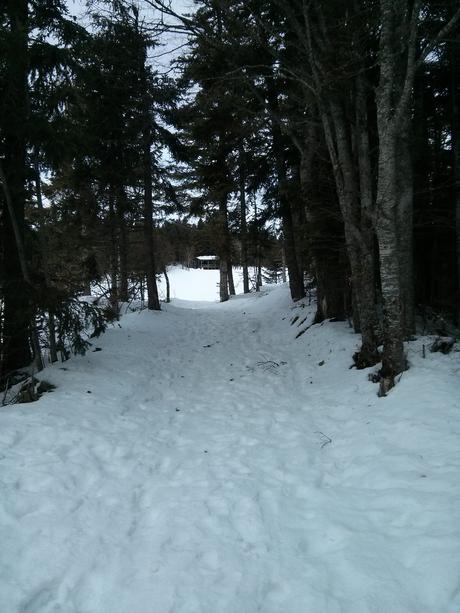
207, 262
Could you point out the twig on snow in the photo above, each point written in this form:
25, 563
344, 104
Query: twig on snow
325, 440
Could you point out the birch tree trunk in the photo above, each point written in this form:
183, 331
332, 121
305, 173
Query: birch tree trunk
392, 102
398, 63
393, 359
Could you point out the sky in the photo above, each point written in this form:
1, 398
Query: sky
169, 43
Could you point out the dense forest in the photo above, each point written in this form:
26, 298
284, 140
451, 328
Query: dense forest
320, 136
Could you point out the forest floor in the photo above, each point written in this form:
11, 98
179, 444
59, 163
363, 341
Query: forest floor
207, 461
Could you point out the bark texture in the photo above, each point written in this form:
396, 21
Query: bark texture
393, 97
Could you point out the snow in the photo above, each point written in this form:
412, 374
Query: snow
204, 462
196, 284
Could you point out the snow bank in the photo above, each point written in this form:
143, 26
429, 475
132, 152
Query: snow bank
206, 461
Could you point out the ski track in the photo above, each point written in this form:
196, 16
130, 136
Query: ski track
196, 479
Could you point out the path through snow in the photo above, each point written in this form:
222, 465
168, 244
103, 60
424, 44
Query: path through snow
204, 462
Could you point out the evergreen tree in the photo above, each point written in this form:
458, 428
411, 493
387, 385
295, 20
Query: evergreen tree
28, 68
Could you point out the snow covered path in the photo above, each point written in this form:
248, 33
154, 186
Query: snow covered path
205, 461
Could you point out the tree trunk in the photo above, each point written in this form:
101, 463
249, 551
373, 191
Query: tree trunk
168, 289
335, 108
243, 224
153, 301
405, 191
141, 291
283, 266
392, 115
357, 238
43, 247
113, 253
231, 283
17, 291
324, 242
365, 291
330, 291
296, 283
454, 57
366, 211
393, 359
123, 253
223, 249
223, 280
258, 271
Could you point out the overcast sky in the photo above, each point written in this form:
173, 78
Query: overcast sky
162, 56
